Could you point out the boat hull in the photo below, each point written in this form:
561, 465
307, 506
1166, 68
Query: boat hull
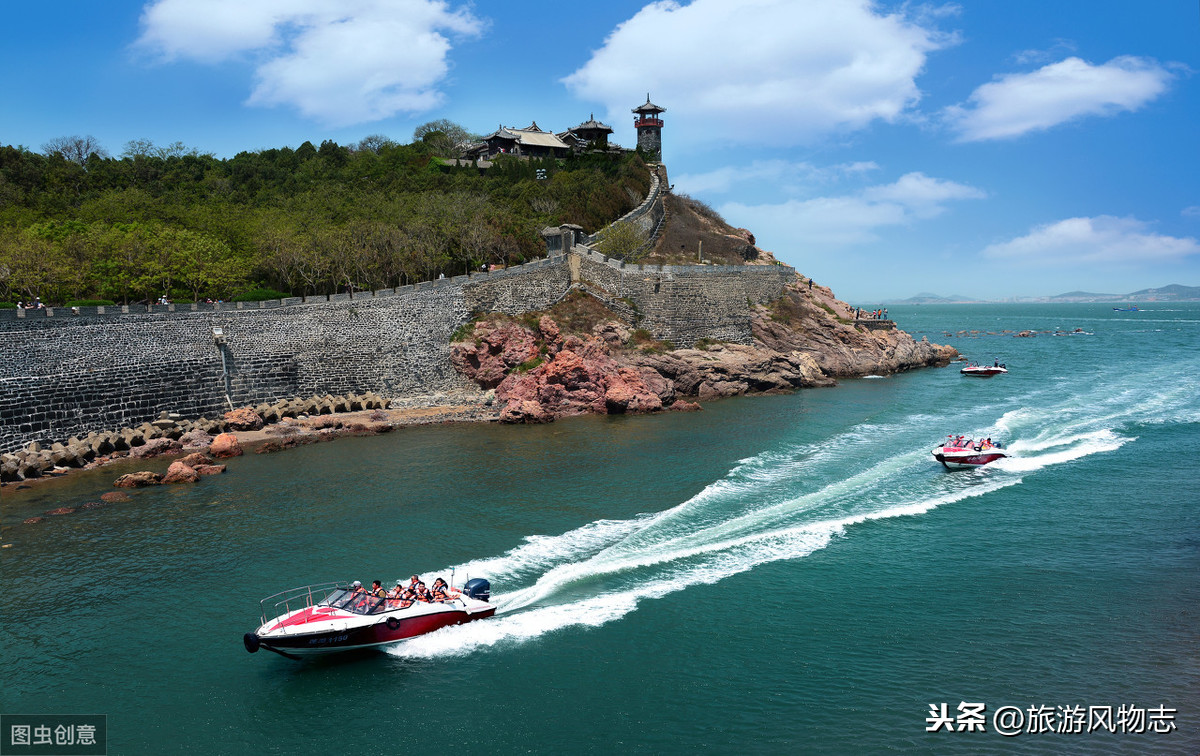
983, 372
308, 636
966, 459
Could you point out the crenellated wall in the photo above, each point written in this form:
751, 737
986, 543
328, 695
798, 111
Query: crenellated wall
65, 373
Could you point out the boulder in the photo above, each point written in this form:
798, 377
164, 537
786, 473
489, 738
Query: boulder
10, 469
525, 411
243, 419
224, 446
32, 520
60, 511
115, 497
195, 459
210, 469
156, 447
138, 480
180, 473
196, 438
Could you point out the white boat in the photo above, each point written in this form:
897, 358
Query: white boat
959, 453
331, 617
984, 371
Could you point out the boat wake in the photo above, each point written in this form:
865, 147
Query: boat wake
787, 503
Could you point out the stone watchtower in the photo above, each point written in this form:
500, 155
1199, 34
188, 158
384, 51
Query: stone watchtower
649, 129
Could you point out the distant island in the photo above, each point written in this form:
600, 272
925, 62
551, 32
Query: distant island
1172, 293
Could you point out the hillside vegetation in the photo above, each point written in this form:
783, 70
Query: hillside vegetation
310, 220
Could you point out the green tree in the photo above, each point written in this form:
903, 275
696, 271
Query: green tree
621, 240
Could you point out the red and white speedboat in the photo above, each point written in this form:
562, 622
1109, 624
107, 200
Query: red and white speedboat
960, 453
320, 619
984, 371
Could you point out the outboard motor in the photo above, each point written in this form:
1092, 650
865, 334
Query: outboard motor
478, 588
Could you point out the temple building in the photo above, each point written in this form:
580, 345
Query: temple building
535, 142
530, 141
590, 133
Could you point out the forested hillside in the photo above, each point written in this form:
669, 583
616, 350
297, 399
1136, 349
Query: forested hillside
310, 220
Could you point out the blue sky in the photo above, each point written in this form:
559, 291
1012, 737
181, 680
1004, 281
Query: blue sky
989, 149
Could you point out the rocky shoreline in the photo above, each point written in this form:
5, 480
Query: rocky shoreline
263, 429
529, 370
541, 371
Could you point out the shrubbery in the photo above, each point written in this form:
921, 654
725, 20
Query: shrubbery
290, 221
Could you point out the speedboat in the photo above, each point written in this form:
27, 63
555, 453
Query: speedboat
984, 371
330, 617
1131, 308
959, 453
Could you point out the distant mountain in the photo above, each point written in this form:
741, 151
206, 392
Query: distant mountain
1172, 293
1085, 296
928, 298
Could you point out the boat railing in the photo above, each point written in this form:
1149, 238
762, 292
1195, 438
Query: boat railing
286, 602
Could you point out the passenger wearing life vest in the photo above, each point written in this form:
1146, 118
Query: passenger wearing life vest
423, 593
441, 592
395, 594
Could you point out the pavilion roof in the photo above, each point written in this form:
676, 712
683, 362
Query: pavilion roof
649, 107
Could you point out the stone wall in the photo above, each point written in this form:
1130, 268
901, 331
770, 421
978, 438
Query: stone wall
66, 373
684, 303
647, 216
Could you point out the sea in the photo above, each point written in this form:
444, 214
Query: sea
773, 575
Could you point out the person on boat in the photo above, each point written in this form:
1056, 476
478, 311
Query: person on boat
395, 594
422, 594
407, 598
357, 587
377, 589
441, 591
413, 582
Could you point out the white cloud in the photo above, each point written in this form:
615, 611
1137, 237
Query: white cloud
1191, 212
340, 62
1103, 239
851, 219
1016, 104
761, 71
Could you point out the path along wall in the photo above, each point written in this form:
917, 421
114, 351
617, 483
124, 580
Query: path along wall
64, 373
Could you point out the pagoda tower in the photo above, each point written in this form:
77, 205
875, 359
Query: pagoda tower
649, 129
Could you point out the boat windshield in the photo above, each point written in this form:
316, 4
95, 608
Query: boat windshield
357, 603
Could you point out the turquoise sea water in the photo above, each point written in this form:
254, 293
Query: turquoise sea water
784, 574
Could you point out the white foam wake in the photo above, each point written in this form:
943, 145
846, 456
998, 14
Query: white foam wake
792, 500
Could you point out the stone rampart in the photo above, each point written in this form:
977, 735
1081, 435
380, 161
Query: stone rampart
67, 372
685, 303
648, 216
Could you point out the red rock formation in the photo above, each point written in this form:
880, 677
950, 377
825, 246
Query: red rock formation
806, 338
195, 459
114, 497
138, 480
225, 445
243, 419
155, 447
180, 473
210, 469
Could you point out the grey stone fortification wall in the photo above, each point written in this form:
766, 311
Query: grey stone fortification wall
64, 374
684, 303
